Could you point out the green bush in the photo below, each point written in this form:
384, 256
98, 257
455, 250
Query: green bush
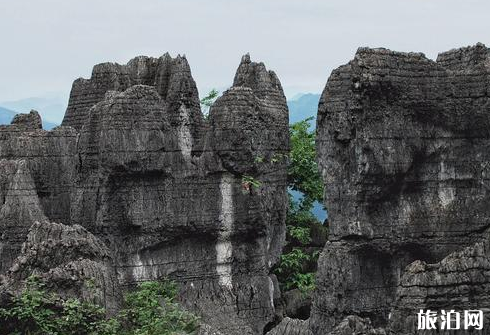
36, 312
149, 310
303, 174
292, 269
297, 265
152, 310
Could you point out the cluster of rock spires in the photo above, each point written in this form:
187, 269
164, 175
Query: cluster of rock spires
137, 185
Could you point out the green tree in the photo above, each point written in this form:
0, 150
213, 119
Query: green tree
297, 265
303, 175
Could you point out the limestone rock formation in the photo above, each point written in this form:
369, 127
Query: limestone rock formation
20, 208
68, 260
153, 189
171, 78
403, 146
38, 169
290, 326
28, 121
460, 281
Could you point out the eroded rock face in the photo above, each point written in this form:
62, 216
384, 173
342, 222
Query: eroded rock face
403, 149
460, 281
68, 260
37, 173
50, 159
171, 78
20, 208
290, 326
28, 121
165, 192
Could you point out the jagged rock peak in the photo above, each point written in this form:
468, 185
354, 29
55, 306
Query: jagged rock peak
31, 121
257, 77
248, 115
384, 51
170, 76
464, 58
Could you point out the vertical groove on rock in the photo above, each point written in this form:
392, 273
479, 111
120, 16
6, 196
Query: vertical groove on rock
224, 247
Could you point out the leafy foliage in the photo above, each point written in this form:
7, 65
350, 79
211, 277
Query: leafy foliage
37, 312
208, 101
303, 172
297, 265
292, 268
152, 310
249, 182
149, 310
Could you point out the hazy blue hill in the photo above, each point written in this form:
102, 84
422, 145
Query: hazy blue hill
304, 106
49, 125
51, 106
6, 116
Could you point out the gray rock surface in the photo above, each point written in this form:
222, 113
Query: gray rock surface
354, 325
461, 281
28, 121
38, 171
68, 260
20, 208
403, 146
290, 326
152, 189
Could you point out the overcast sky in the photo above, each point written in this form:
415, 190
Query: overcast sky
46, 44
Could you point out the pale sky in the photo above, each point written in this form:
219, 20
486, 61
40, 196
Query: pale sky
46, 44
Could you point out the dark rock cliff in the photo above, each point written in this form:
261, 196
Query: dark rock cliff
403, 146
144, 187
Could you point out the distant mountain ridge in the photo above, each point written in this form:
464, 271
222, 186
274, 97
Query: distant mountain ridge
51, 106
6, 115
303, 106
